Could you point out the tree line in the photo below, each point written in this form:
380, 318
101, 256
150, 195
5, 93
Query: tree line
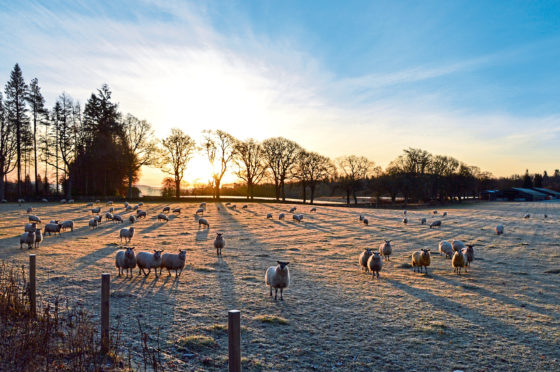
96, 150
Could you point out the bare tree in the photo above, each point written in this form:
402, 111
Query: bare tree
139, 146
178, 151
280, 155
354, 169
251, 165
310, 169
7, 148
220, 148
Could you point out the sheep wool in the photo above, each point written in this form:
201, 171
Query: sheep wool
147, 260
125, 260
278, 277
385, 249
421, 259
171, 261
364, 257
374, 264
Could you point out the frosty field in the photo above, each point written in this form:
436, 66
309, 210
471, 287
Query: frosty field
504, 314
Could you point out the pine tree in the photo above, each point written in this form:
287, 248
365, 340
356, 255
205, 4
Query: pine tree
38, 114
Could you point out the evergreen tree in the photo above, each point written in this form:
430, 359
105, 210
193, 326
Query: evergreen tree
38, 114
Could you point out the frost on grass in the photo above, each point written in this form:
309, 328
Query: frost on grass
195, 343
271, 319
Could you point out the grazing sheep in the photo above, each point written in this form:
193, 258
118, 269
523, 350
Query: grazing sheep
111, 210
297, 217
171, 261
68, 225
423, 221
128, 208
147, 260
89, 204
109, 203
385, 249
468, 252
233, 206
203, 205
269, 215
219, 243
177, 210
98, 218
499, 229
162, 217
33, 218
361, 218
244, 206
98, 201
125, 260
293, 209
366, 221
421, 259
108, 216
445, 248
127, 234
458, 261
132, 219
281, 216
136, 207
38, 237
435, 212
405, 220
27, 238
227, 204
71, 201
444, 214
93, 223
117, 219
200, 210
126, 204
52, 228
30, 227
404, 212
53, 221
140, 204
278, 277
313, 210
21, 201
140, 214
95, 210
364, 257
375, 264
435, 224
203, 221
29, 210
4, 201
527, 215
62, 201
166, 209
45, 200
457, 245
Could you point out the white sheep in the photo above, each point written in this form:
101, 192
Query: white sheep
445, 248
45, 200
457, 245
147, 260
111, 210
68, 225
458, 262
126, 204
499, 229
423, 221
127, 234
405, 220
71, 201
219, 243
297, 217
162, 217
292, 210
278, 277
444, 214
468, 252
38, 237
375, 264
98, 201
421, 259
314, 209
62, 201
30, 227
118, 219
21, 200
109, 203
361, 218
435, 224
171, 261
200, 210
203, 222
52, 228
269, 215
93, 223
527, 215
99, 219
95, 210
140, 214
386, 250
366, 221
27, 238
140, 204
33, 218
281, 216
29, 210
245, 206
89, 204
108, 216
125, 260
177, 210
166, 209
4, 201
132, 219
364, 257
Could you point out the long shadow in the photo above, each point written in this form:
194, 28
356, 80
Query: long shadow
202, 234
91, 258
226, 282
156, 225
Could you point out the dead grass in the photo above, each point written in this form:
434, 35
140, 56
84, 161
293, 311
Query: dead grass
271, 319
195, 342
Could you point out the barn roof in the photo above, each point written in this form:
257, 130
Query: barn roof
547, 191
529, 191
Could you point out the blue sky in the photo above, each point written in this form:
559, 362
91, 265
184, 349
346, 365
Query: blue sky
475, 80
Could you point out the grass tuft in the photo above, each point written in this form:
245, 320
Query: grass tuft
195, 342
271, 319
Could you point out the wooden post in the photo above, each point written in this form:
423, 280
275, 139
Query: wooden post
32, 285
234, 340
105, 307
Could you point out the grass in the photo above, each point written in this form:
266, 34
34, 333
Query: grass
195, 342
271, 319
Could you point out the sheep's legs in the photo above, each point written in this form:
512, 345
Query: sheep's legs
275, 294
281, 294
270, 291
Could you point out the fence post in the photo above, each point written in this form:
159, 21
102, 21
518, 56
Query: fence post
234, 340
105, 307
32, 285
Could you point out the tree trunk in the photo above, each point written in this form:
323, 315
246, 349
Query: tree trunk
69, 186
355, 197
249, 190
177, 187
130, 176
2, 188
217, 184
35, 154
312, 196
348, 196
277, 190
303, 193
283, 191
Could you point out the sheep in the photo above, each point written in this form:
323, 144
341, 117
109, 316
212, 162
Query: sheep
21, 201
126, 205
53, 221
38, 237
269, 215
166, 209
162, 217
132, 219
62, 201
71, 201
140, 204
93, 223
435, 224
33, 218
499, 229
127, 234
203, 221
278, 277
203, 205
52, 228
445, 248
45, 200
444, 214
175, 262
140, 213
199, 210
109, 203
30, 227
404, 212
297, 217
366, 221
68, 225
386, 250
4, 201
527, 215
457, 245
421, 259
293, 209
27, 238
128, 208
177, 210
125, 260
375, 264
29, 210
281, 216
545, 215
233, 207
111, 210
98, 218
136, 207
89, 204
98, 201
147, 260
313, 210
405, 220
364, 257
458, 261
219, 243
95, 210
245, 206
468, 252
423, 221
118, 219
361, 218
108, 216
435, 212
227, 204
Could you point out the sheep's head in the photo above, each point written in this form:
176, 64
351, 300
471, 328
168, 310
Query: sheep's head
388, 242
368, 251
157, 253
219, 235
282, 265
131, 229
425, 253
182, 254
129, 252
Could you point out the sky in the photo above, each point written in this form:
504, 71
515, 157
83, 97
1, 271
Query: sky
476, 80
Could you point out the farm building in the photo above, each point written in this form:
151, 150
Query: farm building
553, 194
522, 194
491, 194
